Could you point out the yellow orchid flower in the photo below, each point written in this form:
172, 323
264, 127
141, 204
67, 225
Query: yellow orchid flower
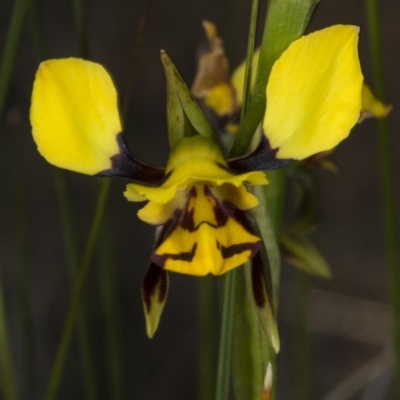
200, 199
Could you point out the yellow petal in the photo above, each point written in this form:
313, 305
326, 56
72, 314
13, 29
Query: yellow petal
371, 106
314, 93
220, 99
74, 115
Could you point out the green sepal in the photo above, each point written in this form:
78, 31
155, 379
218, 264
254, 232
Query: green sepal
154, 296
251, 351
184, 115
286, 21
299, 251
261, 281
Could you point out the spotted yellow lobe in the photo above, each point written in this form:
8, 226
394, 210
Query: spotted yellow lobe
74, 115
207, 235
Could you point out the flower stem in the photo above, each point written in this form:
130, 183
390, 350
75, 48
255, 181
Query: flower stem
75, 305
207, 342
387, 180
249, 58
224, 356
79, 19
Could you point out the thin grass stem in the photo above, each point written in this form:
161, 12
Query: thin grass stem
11, 46
72, 258
387, 181
79, 19
8, 383
224, 356
21, 257
135, 57
207, 342
249, 58
70, 241
75, 304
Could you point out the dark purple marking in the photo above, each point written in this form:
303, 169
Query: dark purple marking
261, 159
230, 251
220, 215
257, 280
125, 165
187, 220
160, 260
184, 218
155, 277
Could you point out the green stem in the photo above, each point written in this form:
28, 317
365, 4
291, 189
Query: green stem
387, 182
224, 355
79, 19
302, 340
8, 385
75, 304
37, 32
11, 47
206, 345
249, 58
137, 49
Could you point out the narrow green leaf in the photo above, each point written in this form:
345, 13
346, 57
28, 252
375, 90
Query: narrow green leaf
154, 296
11, 46
73, 312
299, 251
286, 21
181, 105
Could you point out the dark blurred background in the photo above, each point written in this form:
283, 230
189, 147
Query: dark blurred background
350, 318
